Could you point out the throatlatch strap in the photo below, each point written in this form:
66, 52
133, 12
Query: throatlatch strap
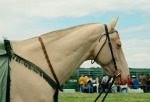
49, 63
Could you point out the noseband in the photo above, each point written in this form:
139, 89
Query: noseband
117, 72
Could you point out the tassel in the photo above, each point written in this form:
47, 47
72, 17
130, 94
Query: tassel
28, 65
36, 69
8, 48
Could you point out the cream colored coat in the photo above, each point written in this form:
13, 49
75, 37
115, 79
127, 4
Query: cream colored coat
67, 50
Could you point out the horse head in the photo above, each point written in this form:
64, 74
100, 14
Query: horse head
105, 58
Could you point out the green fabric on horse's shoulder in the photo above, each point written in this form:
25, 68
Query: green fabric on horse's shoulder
4, 60
2, 48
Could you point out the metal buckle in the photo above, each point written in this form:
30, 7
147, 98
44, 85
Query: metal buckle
117, 72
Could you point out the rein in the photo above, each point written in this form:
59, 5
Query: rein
117, 72
52, 83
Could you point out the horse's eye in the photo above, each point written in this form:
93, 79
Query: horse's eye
118, 45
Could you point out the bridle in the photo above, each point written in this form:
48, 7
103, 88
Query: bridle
117, 72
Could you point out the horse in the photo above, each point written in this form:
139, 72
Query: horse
67, 49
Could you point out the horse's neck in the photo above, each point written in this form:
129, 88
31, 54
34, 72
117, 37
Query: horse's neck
66, 51
71, 50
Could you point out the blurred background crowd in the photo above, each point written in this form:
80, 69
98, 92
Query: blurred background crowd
89, 85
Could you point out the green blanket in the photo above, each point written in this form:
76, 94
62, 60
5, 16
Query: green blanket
4, 60
7, 54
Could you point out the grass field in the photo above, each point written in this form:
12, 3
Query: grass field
115, 97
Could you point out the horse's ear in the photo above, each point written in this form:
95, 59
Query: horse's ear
113, 23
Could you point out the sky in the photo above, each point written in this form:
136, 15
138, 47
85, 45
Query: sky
23, 19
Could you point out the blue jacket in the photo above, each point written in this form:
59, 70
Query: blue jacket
135, 82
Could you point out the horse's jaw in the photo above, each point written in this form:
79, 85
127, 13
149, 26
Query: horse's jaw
124, 76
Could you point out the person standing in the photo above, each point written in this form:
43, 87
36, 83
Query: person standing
98, 82
85, 78
81, 82
123, 87
135, 82
104, 80
89, 79
142, 80
148, 83
90, 86
85, 87
129, 83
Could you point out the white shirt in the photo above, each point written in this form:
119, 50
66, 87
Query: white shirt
123, 86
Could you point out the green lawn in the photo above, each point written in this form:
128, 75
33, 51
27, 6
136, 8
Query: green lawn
115, 97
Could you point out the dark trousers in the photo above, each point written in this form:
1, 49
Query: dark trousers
105, 87
81, 88
85, 90
148, 88
143, 87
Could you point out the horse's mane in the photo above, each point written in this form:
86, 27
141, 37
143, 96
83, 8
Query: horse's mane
70, 28
64, 30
